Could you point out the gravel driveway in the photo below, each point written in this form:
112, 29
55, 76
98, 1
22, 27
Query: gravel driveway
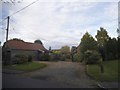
67, 73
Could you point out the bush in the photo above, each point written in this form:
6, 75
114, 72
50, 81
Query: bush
45, 57
54, 57
76, 57
6, 58
91, 57
62, 57
30, 58
19, 59
68, 56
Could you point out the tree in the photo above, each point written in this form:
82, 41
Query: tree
65, 52
49, 48
102, 37
65, 49
111, 49
87, 43
56, 55
91, 57
73, 53
38, 41
118, 47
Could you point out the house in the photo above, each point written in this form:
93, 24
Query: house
16, 46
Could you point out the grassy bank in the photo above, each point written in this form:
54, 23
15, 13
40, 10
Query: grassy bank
27, 66
110, 71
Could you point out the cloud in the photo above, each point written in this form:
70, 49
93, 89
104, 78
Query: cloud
60, 23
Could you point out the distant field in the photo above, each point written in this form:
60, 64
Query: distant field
110, 71
27, 66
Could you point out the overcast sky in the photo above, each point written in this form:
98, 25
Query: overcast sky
57, 23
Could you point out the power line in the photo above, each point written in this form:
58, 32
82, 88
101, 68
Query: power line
23, 8
3, 20
16, 23
19, 10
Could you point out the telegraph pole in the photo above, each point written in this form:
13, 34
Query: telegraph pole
7, 28
6, 52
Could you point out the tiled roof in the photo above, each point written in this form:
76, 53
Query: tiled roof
19, 44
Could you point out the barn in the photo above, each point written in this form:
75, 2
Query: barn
16, 46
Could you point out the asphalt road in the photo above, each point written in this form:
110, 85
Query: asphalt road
13, 81
55, 75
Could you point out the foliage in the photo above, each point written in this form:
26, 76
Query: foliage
19, 59
49, 48
27, 66
45, 57
87, 43
110, 74
65, 53
65, 50
91, 57
30, 58
118, 47
108, 47
6, 56
111, 49
102, 36
64, 57
54, 57
38, 41
76, 57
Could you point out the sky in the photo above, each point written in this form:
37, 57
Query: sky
58, 23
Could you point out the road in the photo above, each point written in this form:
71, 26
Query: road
13, 81
56, 74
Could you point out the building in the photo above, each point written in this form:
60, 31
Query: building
16, 46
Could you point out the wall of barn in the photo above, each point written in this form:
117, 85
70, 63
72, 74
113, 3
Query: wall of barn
34, 54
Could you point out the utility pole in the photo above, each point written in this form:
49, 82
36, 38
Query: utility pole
7, 28
6, 51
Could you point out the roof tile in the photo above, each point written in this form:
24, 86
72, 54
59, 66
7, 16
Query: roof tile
18, 44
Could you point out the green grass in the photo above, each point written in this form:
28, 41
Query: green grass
110, 71
31, 66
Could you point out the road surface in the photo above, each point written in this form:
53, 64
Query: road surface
56, 74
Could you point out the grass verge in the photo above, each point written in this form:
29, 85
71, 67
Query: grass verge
30, 66
110, 71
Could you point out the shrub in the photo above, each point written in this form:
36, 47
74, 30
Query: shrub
19, 59
30, 58
54, 57
6, 58
76, 57
45, 57
62, 57
91, 57
68, 56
